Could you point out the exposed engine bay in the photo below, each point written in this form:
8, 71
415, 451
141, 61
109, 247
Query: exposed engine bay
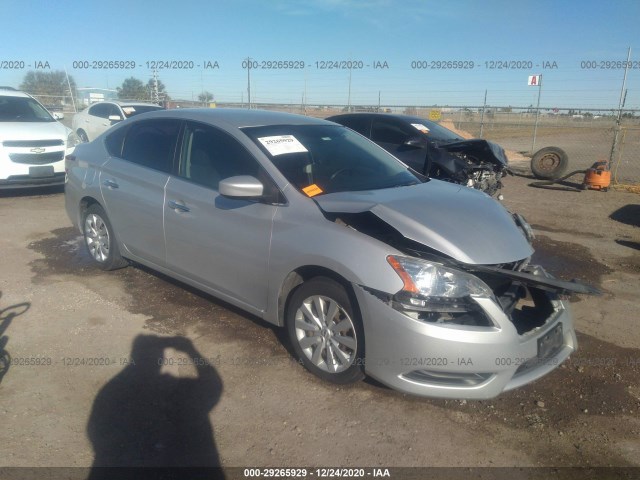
476, 163
524, 292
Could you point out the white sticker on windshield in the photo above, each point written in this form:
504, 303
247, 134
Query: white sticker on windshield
128, 110
280, 144
420, 127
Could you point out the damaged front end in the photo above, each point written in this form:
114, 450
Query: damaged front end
476, 163
478, 317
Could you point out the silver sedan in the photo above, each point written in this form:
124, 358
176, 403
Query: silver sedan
372, 268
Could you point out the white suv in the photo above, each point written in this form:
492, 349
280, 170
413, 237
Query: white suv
33, 143
99, 117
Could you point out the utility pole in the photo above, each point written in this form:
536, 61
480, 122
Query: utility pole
378, 101
73, 102
156, 95
484, 106
349, 97
249, 83
623, 98
535, 128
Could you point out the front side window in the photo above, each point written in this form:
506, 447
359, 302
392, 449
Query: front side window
23, 109
152, 143
319, 159
385, 131
438, 133
209, 155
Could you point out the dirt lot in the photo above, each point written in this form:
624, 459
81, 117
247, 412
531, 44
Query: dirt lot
83, 399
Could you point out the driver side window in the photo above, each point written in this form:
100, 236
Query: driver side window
209, 155
389, 132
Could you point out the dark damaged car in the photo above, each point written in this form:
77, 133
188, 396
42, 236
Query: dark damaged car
433, 150
422, 284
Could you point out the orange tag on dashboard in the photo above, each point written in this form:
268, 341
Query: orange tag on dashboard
312, 190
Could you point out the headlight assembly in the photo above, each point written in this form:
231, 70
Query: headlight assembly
72, 140
439, 294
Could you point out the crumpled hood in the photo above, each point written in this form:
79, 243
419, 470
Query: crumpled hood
457, 221
33, 131
482, 149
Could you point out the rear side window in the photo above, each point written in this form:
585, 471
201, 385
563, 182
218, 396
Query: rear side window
152, 143
114, 142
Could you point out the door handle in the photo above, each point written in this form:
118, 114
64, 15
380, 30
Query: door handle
110, 184
178, 206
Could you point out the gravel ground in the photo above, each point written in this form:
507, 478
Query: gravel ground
85, 403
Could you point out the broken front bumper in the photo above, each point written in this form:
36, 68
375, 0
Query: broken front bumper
454, 361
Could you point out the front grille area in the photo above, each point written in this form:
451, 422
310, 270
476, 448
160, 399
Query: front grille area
33, 143
526, 306
36, 158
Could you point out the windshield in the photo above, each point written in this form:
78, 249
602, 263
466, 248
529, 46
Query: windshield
131, 110
23, 109
437, 133
320, 159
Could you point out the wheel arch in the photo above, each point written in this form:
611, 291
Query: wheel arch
297, 277
85, 203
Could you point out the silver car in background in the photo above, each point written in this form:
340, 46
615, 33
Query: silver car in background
372, 269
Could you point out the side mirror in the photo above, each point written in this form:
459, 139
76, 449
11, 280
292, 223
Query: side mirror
416, 142
241, 186
57, 115
115, 118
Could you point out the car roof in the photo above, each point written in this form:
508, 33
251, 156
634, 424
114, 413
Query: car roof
235, 117
13, 93
401, 116
127, 104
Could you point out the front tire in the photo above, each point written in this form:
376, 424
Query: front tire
100, 239
326, 331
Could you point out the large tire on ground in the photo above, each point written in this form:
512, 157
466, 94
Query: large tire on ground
549, 163
325, 331
100, 239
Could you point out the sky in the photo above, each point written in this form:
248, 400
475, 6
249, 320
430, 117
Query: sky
414, 43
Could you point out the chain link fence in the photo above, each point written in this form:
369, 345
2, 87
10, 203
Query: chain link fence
586, 136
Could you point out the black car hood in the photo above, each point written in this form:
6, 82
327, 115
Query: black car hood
482, 149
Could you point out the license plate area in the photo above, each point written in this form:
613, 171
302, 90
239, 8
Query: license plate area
43, 171
551, 342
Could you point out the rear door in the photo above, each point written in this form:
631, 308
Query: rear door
132, 182
219, 242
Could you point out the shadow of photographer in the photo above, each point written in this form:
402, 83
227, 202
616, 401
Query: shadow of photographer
145, 418
6, 317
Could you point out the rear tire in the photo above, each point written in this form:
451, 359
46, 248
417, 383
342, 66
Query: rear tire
100, 239
83, 136
549, 163
326, 331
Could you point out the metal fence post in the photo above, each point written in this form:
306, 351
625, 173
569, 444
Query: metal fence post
484, 106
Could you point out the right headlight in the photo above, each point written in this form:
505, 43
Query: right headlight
436, 293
